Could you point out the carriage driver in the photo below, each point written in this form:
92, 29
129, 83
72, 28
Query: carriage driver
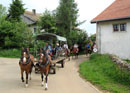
47, 48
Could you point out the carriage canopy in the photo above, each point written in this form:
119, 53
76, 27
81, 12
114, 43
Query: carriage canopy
50, 36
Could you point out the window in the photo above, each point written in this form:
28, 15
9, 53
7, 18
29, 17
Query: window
35, 30
119, 27
122, 27
115, 27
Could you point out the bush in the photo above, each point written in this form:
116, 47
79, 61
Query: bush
12, 53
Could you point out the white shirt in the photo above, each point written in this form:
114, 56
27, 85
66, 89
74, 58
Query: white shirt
65, 46
75, 46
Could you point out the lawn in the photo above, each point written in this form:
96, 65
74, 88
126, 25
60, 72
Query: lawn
127, 61
10, 53
101, 71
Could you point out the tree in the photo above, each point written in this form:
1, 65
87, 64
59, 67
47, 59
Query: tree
48, 22
66, 16
2, 11
14, 35
16, 10
3, 25
93, 37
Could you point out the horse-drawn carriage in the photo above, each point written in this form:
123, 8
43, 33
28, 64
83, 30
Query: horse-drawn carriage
43, 63
58, 57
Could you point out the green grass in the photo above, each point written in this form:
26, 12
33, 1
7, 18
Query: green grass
101, 71
10, 53
127, 60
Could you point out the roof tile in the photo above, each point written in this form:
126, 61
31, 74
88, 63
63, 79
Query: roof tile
117, 10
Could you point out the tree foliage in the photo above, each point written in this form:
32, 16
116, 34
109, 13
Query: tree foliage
66, 16
64, 23
2, 11
13, 34
93, 37
16, 10
48, 22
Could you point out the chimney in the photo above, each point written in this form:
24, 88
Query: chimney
34, 11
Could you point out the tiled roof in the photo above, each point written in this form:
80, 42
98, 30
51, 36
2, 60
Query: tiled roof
119, 9
32, 16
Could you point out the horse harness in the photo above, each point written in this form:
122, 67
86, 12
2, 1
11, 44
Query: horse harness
46, 64
27, 61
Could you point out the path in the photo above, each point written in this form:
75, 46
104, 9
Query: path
66, 80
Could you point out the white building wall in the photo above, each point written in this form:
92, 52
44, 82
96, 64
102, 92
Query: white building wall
32, 28
29, 22
117, 43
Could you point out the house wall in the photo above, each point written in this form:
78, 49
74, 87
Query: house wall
117, 43
29, 22
32, 27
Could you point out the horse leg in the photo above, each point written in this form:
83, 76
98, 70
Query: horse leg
42, 77
46, 87
26, 79
22, 76
77, 55
69, 58
72, 55
30, 72
30, 75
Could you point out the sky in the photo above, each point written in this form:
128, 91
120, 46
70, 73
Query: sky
88, 9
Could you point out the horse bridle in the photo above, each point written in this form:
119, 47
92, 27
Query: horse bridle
28, 60
41, 63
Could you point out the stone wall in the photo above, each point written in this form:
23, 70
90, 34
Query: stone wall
120, 62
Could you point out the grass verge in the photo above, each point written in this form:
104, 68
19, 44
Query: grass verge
10, 53
101, 71
127, 61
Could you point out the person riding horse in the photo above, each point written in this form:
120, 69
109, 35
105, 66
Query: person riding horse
66, 47
88, 48
75, 50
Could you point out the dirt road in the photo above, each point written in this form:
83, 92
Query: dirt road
66, 80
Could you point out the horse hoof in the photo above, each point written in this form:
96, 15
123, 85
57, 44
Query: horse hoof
30, 78
42, 84
46, 88
22, 80
26, 85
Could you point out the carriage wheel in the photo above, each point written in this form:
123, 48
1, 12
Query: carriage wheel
62, 65
54, 71
36, 70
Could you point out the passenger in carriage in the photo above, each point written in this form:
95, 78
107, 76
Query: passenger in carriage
57, 47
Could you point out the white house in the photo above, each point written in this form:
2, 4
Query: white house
113, 29
31, 18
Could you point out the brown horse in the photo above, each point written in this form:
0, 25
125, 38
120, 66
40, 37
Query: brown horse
44, 66
26, 64
75, 52
67, 53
